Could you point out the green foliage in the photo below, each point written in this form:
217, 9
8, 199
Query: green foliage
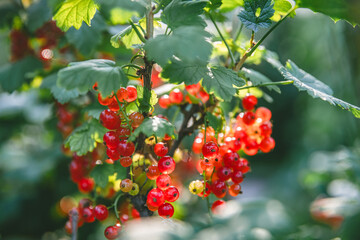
7, 13
154, 126
214, 122
146, 99
253, 20
37, 14
188, 43
257, 78
189, 73
87, 38
12, 76
83, 75
306, 82
73, 12
229, 5
127, 36
179, 13
221, 81
85, 138
138, 6
61, 95
336, 9
101, 173
214, 4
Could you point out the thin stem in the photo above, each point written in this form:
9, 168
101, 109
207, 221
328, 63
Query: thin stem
252, 39
130, 75
124, 113
131, 173
253, 48
131, 65
115, 205
223, 39
137, 31
268, 84
238, 33
208, 207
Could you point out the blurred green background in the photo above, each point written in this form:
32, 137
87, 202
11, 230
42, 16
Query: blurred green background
317, 153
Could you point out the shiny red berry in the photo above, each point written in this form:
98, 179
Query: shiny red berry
266, 129
230, 159
122, 94
86, 185
113, 154
163, 181
166, 165
224, 173
171, 194
267, 144
166, 210
160, 149
109, 119
101, 212
263, 113
237, 177
164, 101
156, 197
249, 102
112, 232
126, 148
176, 96
136, 119
210, 149
218, 187
217, 205
111, 139
126, 161
152, 172
132, 93
249, 118
88, 214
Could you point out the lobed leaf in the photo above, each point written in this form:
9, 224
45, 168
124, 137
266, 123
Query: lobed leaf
222, 82
37, 14
84, 139
154, 126
179, 13
253, 20
127, 36
62, 95
187, 43
73, 12
83, 75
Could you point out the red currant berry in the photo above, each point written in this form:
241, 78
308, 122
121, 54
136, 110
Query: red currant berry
217, 205
206, 164
160, 149
249, 102
234, 190
126, 161
218, 187
163, 181
210, 149
166, 210
164, 101
193, 89
135, 213
224, 173
237, 177
171, 194
122, 94
251, 147
230, 158
86, 185
155, 197
109, 119
101, 212
263, 113
88, 214
136, 119
207, 191
123, 133
166, 165
267, 144
112, 232
111, 139
84, 202
152, 172
266, 129
132, 93
126, 148
249, 118
176, 96
113, 154
197, 145
114, 105
151, 207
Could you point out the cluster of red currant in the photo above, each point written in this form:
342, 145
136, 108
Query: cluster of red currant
20, 45
80, 168
193, 94
66, 119
164, 192
220, 162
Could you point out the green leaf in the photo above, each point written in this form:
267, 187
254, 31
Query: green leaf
127, 36
189, 73
83, 75
101, 173
254, 20
221, 82
84, 139
179, 13
94, 110
154, 126
120, 171
37, 14
73, 12
229, 5
146, 102
257, 78
86, 39
8, 11
214, 4
306, 82
12, 76
336, 9
138, 6
214, 122
282, 7
188, 43
60, 94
